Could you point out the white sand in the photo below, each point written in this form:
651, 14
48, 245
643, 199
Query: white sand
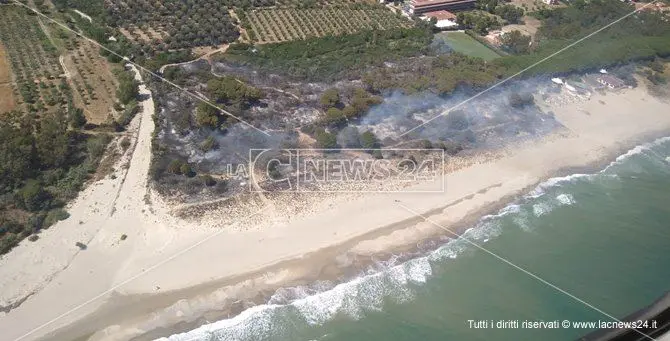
66, 278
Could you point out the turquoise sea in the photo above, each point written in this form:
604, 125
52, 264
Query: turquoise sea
603, 238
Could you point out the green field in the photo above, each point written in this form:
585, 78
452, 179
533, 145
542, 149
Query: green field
463, 43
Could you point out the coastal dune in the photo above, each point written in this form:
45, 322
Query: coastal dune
115, 287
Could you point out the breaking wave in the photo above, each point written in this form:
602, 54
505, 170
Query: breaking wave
291, 309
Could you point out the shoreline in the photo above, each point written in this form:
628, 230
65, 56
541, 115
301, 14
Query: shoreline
327, 245
403, 252
328, 270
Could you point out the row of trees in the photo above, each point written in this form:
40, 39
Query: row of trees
332, 57
441, 74
510, 13
185, 24
282, 24
479, 22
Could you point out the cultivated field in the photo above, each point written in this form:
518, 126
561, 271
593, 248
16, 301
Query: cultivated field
6, 91
271, 25
39, 77
92, 80
170, 25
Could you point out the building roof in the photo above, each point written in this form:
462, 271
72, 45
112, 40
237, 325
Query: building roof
420, 3
441, 15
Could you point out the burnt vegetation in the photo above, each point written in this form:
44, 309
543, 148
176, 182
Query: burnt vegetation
338, 85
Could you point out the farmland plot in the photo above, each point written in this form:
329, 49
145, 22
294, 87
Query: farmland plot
6, 90
171, 24
91, 78
40, 85
279, 24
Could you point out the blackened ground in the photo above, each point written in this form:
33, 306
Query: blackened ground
497, 117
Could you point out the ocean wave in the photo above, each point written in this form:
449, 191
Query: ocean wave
249, 324
565, 199
646, 148
541, 189
544, 207
351, 299
391, 279
641, 149
507, 210
541, 209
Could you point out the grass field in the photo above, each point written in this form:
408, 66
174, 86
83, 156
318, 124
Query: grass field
463, 43
7, 102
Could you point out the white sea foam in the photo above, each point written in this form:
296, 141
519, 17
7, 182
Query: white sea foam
253, 321
637, 150
565, 199
553, 182
317, 305
541, 209
351, 299
507, 210
521, 220
541, 189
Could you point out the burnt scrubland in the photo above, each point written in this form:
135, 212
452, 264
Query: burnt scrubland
197, 147
359, 82
363, 90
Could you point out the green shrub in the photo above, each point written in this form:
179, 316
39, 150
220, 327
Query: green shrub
125, 143
369, 140
175, 167
55, 216
96, 146
325, 139
187, 170
209, 144
33, 196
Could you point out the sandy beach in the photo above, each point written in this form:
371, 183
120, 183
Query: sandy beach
170, 274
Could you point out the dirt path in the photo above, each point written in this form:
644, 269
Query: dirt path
205, 56
84, 15
46, 32
61, 60
261, 87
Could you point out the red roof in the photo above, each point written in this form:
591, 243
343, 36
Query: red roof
419, 3
441, 15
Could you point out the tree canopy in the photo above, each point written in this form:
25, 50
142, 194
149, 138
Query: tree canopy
229, 89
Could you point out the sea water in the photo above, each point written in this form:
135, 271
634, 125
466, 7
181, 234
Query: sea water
586, 247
